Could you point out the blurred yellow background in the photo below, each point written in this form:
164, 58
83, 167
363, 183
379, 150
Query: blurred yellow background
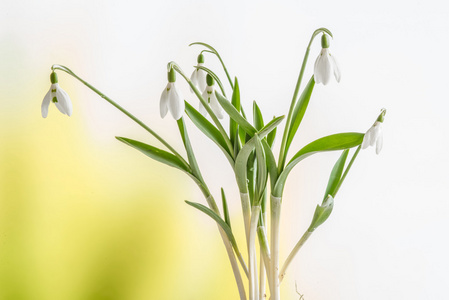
83, 216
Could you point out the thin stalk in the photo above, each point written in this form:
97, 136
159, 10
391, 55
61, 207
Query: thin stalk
293, 254
246, 211
262, 285
283, 152
253, 286
347, 170
127, 113
235, 268
275, 218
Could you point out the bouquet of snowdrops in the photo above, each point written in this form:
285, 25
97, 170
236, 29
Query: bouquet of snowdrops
248, 146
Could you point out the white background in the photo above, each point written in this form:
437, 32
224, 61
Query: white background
387, 237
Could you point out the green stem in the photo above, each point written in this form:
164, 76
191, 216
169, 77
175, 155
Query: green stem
253, 287
347, 169
127, 113
275, 220
293, 254
283, 152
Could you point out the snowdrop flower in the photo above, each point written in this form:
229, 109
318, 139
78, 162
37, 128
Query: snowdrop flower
326, 64
209, 96
198, 77
374, 135
58, 96
171, 98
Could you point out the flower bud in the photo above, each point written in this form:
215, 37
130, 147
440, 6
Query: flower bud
171, 75
53, 77
210, 80
200, 58
324, 41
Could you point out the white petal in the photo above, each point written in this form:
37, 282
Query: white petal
379, 143
336, 68
64, 100
205, 96
366, 139
316, 74
194, 79
375, 129
324, 67
201, 76
215, 106
163, 104
176, 103
46, 104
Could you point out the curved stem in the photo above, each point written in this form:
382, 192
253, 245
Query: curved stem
293, 254
347, 170
283, 152
127, 113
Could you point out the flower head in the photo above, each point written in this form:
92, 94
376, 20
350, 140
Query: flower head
209, 96
58, 96
374, 135
171, 98
198, 77
326, 64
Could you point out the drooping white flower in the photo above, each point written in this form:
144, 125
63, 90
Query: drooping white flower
374, 135
326, 64
198, 77
172, 99
211, 99
58, 96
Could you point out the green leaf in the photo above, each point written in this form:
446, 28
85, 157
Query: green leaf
188, 146
219, 221
233, 126
156, 154
262, 175
335, 176
271, 136
208, 129
271, 162
322, 213
340, 141
225, 208
299, 111
235, 115
257, 116
242, 159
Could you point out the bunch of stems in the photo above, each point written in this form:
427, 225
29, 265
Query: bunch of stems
260, 178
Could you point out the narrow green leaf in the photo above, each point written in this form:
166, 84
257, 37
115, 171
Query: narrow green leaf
262, 175
335, 176
299, 111
233, 126
208, 129
219, 221
242, 158
251, 175
225, 208
156, 154
271, 136
340, 141
188, 146
271, 162
257, 117
322, 213
235, 115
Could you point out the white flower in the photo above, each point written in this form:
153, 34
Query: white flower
325, 65
198, 78
374, 136
59, 97
171, 99
209, 96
